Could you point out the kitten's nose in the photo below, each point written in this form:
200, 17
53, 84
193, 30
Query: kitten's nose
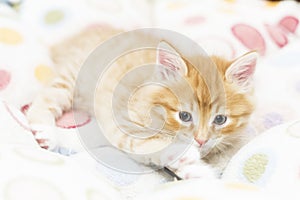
201, 142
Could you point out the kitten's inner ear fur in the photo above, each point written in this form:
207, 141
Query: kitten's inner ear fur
241, 71
170, 63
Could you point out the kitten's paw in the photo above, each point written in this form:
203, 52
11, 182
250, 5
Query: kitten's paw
45, 136
196, 170
191, 156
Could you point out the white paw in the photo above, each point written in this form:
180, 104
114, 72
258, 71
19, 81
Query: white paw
196, 170
45, 136
191, 156
53, 137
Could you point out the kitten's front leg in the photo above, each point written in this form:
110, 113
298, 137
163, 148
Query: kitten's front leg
47, 107
190, 166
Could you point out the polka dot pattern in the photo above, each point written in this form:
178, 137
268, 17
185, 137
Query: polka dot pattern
272, 119
277, 35
176, 5
43, 73
54, 17
271, 4
4, 79
68, 119
194, 20
190, 19
289, 23
250, 37
10, 36
255, 167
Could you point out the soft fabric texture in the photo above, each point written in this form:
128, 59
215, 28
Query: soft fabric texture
228, 28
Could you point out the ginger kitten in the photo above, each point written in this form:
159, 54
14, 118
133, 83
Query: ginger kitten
217, 134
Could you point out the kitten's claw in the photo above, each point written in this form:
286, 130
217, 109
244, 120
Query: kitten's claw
45, 136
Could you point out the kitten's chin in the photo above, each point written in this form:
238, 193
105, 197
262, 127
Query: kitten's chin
206, 148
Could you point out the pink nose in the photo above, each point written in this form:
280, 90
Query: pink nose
201, 142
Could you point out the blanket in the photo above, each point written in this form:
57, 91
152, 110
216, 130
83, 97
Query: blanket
228, 28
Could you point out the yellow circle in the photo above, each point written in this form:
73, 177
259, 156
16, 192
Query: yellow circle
272, 4
230, 1
9, 36
175, 5
54, 16
255, 167
43, 73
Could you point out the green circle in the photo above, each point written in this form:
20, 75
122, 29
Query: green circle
54, 16
255, 167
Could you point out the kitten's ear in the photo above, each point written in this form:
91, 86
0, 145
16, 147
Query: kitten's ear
241, 71
170, 65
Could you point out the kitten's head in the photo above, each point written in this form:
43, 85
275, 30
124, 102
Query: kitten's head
214, 120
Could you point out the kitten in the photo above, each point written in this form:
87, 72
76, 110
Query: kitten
217, 135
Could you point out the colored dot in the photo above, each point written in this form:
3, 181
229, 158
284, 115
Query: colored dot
272, 119
9, 36
271, 4
250, 37
73, 119
194, 20
4, 79
255, 167
175, 5
53, 17
31, 188
227, 10
230, 1
43, 73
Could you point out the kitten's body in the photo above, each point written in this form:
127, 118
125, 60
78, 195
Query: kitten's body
58, 97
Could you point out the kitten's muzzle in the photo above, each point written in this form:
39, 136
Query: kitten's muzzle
200, 142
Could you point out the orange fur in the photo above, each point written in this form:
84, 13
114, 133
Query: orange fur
69, 56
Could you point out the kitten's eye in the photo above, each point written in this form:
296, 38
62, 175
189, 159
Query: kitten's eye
220, 119
185, 116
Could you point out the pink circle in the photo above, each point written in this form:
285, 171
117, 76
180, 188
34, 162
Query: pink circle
67, 120
249, 37
194, 20
277, 35
4, 79
289, 23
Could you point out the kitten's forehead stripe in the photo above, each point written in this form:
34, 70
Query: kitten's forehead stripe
237, 106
